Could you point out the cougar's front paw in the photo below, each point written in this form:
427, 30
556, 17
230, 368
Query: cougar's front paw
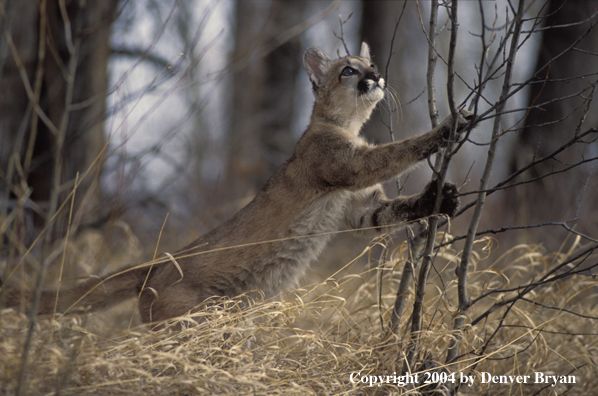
465, 116
450, 199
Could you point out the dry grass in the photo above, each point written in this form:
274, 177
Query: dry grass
311, 340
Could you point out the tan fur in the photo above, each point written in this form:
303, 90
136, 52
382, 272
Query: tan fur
332, 180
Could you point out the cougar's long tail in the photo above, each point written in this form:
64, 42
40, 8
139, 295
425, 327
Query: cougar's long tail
93, 294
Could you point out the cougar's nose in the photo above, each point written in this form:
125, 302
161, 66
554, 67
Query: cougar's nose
373, 76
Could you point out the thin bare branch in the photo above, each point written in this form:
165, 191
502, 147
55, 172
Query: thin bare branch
462, 269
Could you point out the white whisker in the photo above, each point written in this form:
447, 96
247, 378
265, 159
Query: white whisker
392, 103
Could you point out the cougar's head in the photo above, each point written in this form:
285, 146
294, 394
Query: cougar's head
348, 87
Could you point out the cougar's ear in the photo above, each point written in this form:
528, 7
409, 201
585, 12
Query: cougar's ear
365, 51
317, 63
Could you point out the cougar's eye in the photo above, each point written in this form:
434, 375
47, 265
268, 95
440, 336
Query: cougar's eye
348, 71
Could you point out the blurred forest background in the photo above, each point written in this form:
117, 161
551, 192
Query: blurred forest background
148, 110
129, 128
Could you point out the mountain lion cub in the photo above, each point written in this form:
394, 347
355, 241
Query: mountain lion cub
332, 180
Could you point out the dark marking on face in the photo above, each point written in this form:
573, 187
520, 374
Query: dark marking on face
365, 83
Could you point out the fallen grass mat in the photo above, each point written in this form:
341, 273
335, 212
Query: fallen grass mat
328, 340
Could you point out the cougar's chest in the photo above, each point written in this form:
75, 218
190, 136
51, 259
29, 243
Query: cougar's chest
308, 235
323, 216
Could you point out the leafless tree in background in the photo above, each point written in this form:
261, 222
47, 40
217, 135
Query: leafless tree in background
561, 105
53, 86
263, 92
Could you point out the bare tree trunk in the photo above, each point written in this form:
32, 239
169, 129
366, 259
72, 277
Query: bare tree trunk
42, 40
260, 138
553, 121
